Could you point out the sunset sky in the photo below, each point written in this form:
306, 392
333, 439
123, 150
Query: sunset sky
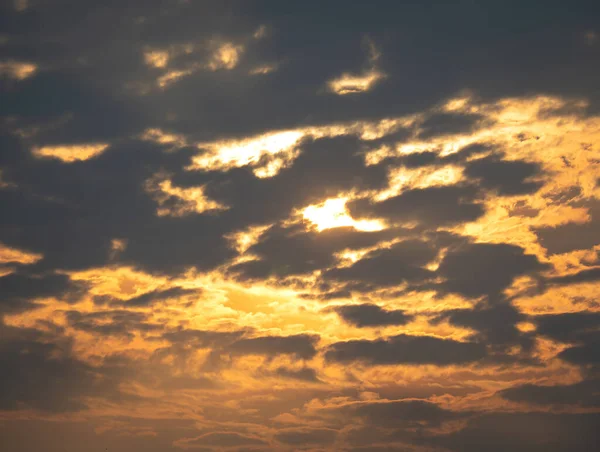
246, 225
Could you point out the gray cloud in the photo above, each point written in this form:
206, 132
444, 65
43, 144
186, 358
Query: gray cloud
404, 349
369, 315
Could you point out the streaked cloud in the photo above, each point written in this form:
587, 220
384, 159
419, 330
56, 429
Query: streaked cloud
17, 70
70, 153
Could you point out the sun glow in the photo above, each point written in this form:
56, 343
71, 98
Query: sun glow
333, 214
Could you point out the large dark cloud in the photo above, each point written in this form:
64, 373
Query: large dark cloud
572, 236
447, 124
398, 412
403, 262
40, 372
524, 432
580, 330
585, 393
506, 177
485, 268
568, 327
404, 349
370, 315
495, 326
19, 291
302, 346
431, 207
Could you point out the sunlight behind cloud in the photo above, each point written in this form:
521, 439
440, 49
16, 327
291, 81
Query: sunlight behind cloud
333, 214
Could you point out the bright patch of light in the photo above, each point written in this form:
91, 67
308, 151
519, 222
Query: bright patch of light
17, 70
333, 214
71, 153
352, 84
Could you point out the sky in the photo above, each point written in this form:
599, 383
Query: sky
258, 225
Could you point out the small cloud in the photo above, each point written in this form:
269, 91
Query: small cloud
17, 70
260, 33
349, 83
71, 153
591, 37
10, 255
262, 70
179, 202
353, 84
161, 137
225, 56
172, 76
157, 58
117, 246
21, 5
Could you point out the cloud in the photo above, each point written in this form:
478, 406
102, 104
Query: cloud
404, 349
368, 315
524, 432
508, 178
301, 346
70, 153
219, 439
403, 262
46, 376
431, 207
484, 268
20, 291
306, 437
583, 394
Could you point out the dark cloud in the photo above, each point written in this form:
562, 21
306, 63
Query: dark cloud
495, 325
302, 346
448, 124
585, 393
370, 315
508, 178
430, 207
18, 291
161, 295
403, 262
568, 327
399, 412
40, 374
480, 269
404, 349
302, 437
304, 374
588, 353
572, 236
524, 432
112, 323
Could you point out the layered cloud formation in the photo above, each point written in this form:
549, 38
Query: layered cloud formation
255, 225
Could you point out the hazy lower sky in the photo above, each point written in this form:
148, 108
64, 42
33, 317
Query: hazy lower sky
247, 226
